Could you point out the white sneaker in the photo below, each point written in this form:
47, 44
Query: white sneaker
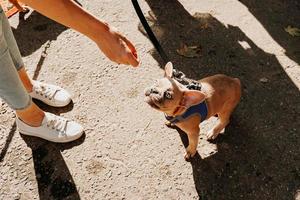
51, 95
53, 128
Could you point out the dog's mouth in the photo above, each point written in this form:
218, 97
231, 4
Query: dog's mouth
152, 102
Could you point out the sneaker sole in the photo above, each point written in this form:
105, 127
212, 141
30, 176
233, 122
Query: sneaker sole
53, 105
51, 140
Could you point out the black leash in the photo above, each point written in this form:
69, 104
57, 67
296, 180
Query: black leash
178, 75
150, 33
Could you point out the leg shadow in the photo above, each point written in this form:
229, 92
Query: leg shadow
258, 157
8, 141
53, 176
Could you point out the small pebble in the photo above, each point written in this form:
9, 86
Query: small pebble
264, 80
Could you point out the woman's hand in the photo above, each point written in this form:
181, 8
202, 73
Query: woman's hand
118, 48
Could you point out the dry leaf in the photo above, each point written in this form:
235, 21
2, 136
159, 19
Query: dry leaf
189, 51
293, 31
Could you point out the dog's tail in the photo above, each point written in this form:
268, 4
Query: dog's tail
237, 80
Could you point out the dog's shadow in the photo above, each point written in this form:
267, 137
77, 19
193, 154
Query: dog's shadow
258, 157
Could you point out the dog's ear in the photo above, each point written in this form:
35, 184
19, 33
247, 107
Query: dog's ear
169, 70
192, 97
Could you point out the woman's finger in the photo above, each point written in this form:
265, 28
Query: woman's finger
132, 59
132, 55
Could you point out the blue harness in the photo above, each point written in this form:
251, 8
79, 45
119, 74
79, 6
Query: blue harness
199, 109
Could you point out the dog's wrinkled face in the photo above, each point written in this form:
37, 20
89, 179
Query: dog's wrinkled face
169, 96
165, 95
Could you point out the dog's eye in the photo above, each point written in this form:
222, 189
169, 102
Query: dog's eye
168, 95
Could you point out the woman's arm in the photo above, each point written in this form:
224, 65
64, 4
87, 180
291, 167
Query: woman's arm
114, 45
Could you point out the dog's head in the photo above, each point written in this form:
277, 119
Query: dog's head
171, 97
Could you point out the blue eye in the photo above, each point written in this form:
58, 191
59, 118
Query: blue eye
168, 95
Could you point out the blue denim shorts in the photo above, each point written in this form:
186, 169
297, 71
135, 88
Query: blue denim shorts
12, 90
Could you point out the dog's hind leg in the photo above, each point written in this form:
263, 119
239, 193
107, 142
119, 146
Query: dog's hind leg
227, 109
224, 118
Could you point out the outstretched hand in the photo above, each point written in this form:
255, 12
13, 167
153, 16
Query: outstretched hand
118, 48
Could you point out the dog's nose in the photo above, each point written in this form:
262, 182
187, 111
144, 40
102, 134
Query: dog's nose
149, 91
153, 91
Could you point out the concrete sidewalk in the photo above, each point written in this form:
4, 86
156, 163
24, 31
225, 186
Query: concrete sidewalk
127, 151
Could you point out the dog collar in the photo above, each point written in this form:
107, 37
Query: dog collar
199, 109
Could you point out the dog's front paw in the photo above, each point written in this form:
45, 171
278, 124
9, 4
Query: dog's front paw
169, 124
187, 157
189, 154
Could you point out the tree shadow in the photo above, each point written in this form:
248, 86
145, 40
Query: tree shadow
34, 31
275, 16
258, 157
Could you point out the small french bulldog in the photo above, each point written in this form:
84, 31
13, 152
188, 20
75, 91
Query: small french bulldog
219, 95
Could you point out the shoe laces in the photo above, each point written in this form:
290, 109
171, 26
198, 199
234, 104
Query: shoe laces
58, 123
46, 91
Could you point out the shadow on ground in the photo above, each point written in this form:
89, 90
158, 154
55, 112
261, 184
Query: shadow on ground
34, 31
9, 138
53, 176
258, 157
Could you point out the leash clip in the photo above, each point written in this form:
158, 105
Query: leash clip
180, 77
194, 85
